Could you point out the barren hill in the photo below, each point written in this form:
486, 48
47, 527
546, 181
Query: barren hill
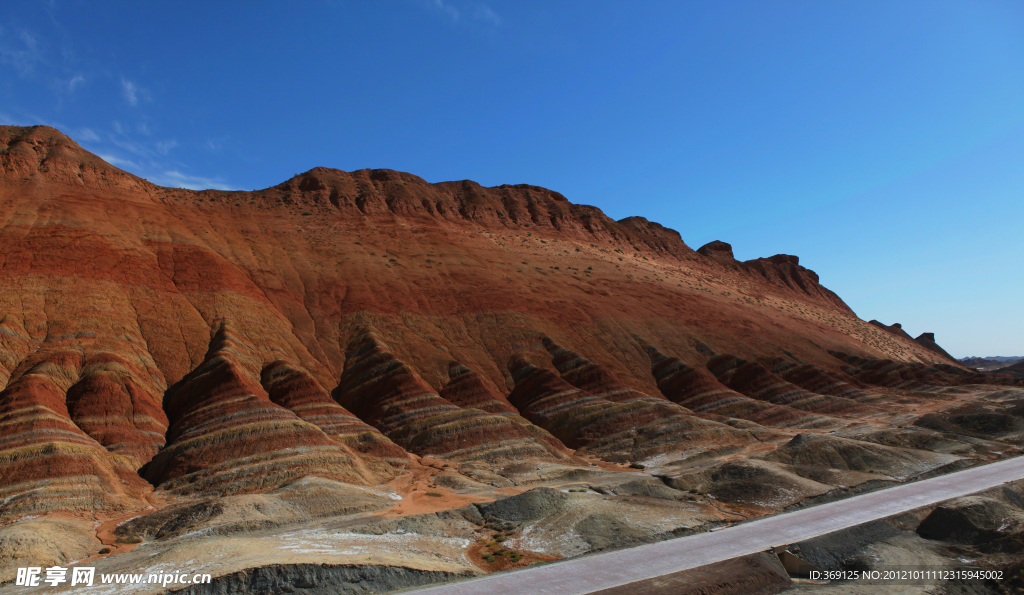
160, 345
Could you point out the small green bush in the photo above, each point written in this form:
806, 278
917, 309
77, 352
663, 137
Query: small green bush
129, 540
636, 466
434, 494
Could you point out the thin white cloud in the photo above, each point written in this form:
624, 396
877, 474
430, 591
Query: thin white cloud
21, 52
130, 92
121, 163
88, 135
447, 8
179, 180
164, 146
75, 82
214, 145
486, 14
467, 13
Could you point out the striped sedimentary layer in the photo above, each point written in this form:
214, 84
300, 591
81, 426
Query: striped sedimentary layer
382, 390
699, 390
227, 436
910, 376
47, 463
756, 381
467, 388
295, 389
593, 378
122, 412
823, 382
632, 430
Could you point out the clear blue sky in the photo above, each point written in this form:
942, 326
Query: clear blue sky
882, 142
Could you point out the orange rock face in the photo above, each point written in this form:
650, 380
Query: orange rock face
296, 390
699, 390
382, 389
629, 430
111, 289
757, 382
227, 436
47, 462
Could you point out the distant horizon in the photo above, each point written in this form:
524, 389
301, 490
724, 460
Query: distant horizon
879, 142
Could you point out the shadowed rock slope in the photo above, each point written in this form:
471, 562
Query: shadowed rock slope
295, 389
629, 430
699, 390
227, 436
592, 378
386, 392
46, 461
757, 382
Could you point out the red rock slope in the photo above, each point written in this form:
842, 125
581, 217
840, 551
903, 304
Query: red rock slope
110, 286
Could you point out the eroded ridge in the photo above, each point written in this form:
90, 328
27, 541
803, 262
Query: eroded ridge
118, 408
614, 431
47, 463
295, 389
699, 390
389, 394
593, 378
467, 388
911, 376
227, 436
756, 381
824, 382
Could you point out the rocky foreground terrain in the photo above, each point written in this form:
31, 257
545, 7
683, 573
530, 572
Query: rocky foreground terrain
360, 380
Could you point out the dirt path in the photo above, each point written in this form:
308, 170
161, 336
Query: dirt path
420, 495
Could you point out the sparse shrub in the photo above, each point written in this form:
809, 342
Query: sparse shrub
636, 466
434, 494
306, 213
129, 540
499, 538
489, 557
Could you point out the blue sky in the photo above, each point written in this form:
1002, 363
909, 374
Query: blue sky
882, 142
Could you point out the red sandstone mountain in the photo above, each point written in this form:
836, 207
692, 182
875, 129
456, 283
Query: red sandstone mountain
224, 342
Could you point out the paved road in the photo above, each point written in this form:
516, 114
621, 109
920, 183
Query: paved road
603, 571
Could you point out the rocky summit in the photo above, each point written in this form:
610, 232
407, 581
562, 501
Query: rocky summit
365, 378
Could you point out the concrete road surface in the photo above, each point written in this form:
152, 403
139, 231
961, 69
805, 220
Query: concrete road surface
588, 574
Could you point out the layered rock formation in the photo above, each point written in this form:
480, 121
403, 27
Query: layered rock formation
926, 340
757, 382
824, 382
386, 392
592, 378
628, 430
220, 342
699, 390
782, 270
296, 390
47, 462
227, 436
